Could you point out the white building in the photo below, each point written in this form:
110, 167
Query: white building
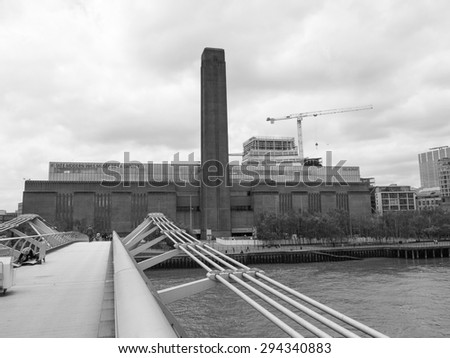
277, 149
394, 198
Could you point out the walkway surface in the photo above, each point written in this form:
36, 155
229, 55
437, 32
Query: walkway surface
63, 297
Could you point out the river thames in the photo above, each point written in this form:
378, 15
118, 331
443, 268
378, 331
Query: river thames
400, 298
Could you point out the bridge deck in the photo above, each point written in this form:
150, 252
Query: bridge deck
64, 297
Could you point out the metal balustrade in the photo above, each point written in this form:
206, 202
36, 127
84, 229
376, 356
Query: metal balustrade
310, 317
43, 239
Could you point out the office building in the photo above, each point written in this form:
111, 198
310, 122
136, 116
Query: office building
444, 181
394, 198
428, 166
428, 199
277, 149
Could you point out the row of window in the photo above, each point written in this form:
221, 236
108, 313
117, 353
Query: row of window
397, 201
398, 207
397, 195
235, 176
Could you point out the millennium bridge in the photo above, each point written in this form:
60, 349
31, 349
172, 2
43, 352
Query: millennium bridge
101, 289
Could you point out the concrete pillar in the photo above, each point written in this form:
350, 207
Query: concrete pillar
215, 194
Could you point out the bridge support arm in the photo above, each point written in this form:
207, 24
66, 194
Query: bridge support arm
138, 238
176, 293
144, 265
146, 246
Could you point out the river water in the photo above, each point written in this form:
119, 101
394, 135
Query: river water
398, 297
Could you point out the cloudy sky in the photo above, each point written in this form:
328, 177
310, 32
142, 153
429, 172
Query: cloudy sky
90, 80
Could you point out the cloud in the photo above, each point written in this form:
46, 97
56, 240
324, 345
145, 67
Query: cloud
89, 80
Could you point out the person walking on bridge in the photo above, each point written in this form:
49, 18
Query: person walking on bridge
90, 233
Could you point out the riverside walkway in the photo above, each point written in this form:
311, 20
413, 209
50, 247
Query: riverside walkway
67, 296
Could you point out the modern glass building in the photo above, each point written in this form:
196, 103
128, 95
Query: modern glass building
428, 166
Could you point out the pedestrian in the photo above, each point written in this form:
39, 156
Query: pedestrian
90, 233
26, 254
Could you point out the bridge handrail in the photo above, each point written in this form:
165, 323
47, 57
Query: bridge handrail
41, 242
36, 236
137, 312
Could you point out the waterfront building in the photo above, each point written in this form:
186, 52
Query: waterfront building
428, 198
429, 167
394, 198
119, 197
213, 196
444, 181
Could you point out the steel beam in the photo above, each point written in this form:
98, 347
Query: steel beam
134, 244
176, 293
158, 259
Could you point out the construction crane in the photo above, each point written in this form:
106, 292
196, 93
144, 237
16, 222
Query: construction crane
300, 116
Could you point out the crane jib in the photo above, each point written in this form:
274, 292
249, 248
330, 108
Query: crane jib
320, 113
300, 116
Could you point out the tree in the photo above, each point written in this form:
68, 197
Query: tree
337, 224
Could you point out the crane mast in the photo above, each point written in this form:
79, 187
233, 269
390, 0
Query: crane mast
300, 116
